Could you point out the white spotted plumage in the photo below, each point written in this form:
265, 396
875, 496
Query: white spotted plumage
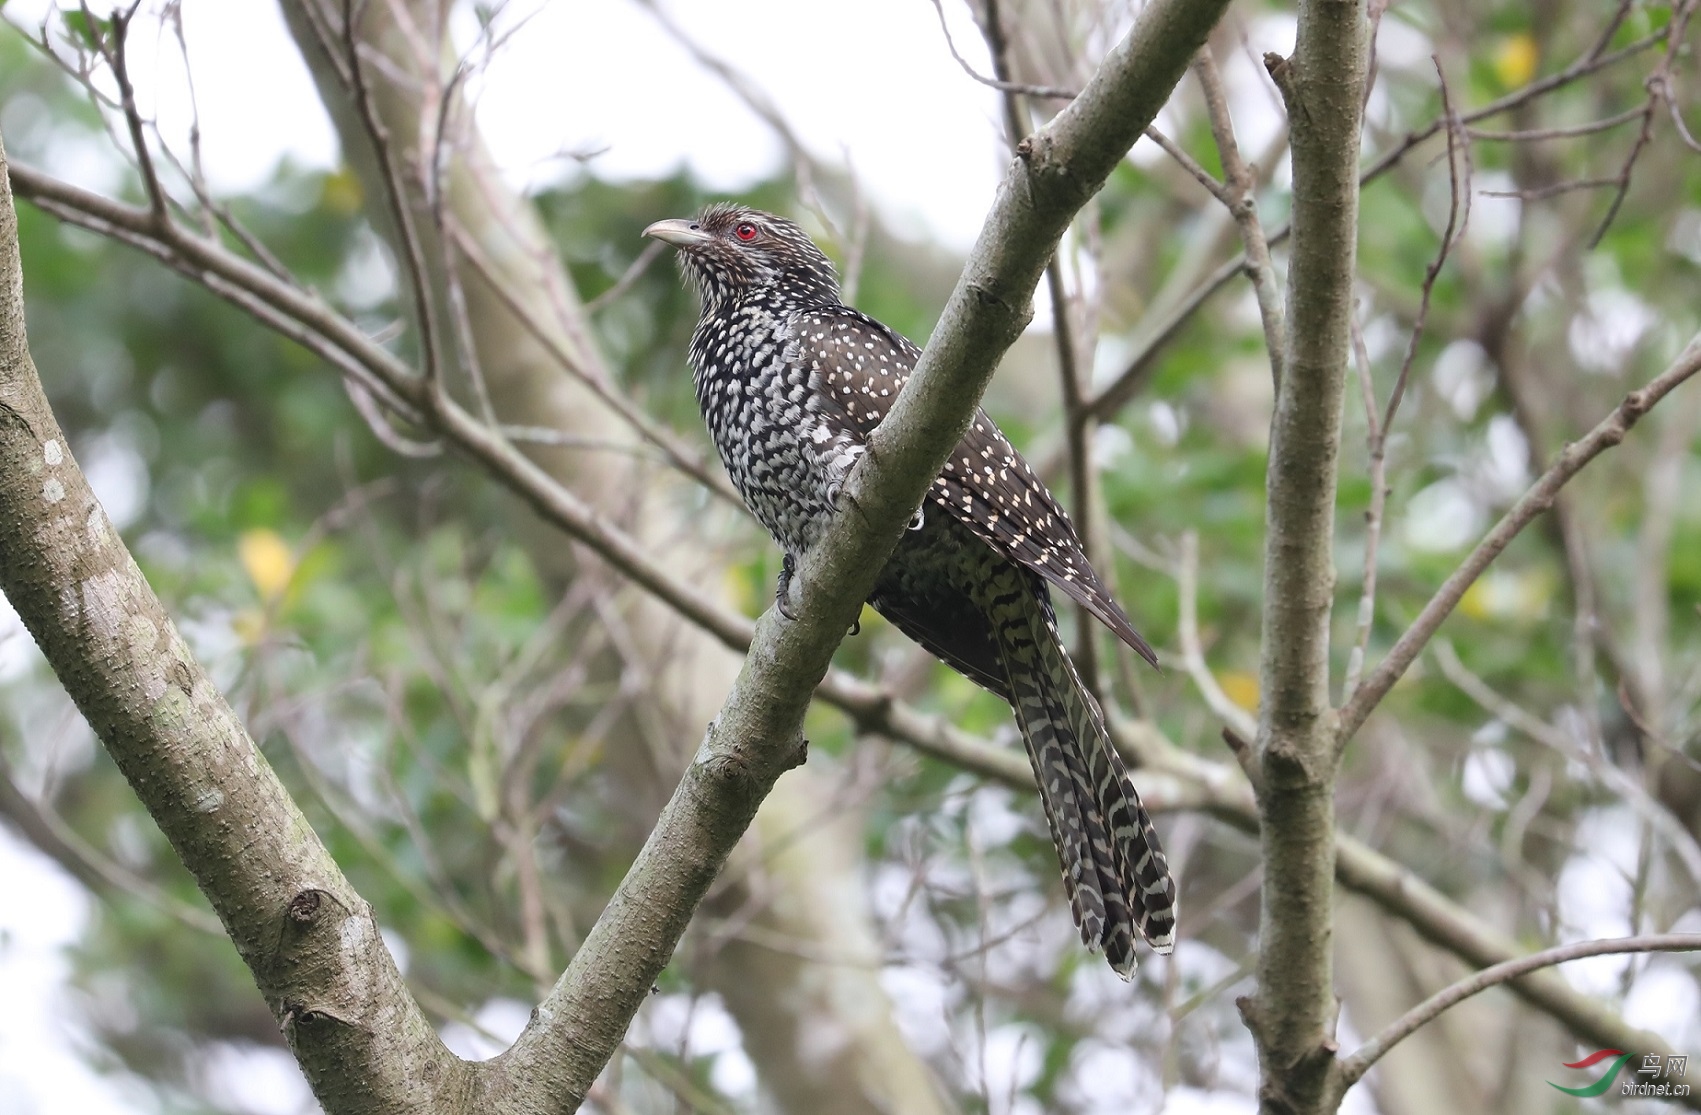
790, 382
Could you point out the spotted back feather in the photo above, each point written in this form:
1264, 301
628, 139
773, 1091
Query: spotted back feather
986, 483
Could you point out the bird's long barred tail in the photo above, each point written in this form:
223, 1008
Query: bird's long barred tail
1114, 868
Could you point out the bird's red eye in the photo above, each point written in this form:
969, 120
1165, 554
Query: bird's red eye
745, 232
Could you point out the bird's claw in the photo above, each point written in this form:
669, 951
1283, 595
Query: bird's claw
782, 590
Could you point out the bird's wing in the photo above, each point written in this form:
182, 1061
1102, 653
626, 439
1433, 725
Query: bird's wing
860, 367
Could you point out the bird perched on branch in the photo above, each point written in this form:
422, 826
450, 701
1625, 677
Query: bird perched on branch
791, 381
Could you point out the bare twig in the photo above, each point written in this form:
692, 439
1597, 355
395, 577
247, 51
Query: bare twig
1536, 499
1458, 214
1527, 135
1188, 163
1354, 1067
1635, 795
1235, 718
395, 194
117, 54
1077, 426
1002, 82
634, 271
1114, 395
53, 837
1240, 197
1659, 88
672, 448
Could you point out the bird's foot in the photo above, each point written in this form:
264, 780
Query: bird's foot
782, 589
919, 518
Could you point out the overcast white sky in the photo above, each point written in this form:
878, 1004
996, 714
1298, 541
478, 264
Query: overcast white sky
596, 75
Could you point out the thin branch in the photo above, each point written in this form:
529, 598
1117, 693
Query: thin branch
1442, 922
1458, 214
53, 837
1555, 189
1354, 1067
1001, 83
1241, 198
117, 55
1567, 132
628, 278
1536, 499
1077, 426
1650, 809
1373, 515
672, 448
1204, 177
1235, 718
395, 196
1659, 87
1127, 383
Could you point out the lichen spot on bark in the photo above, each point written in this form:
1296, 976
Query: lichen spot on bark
53, 491
52, 453
142, 634
173, 712
98, 606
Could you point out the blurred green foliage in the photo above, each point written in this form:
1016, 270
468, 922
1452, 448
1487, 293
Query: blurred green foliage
377, 621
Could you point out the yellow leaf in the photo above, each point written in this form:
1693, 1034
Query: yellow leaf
1522, 596
1241, 688
249, 625
342, 192
1475, 602
268, 560
740, 592
1515, 61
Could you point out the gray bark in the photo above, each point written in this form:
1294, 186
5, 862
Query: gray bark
309, 939
1292, 1016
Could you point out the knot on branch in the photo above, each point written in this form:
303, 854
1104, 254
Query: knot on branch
1289, 765
296, 1017
1051, 175
1280, 70
304, 907
1635, 405
1013, 319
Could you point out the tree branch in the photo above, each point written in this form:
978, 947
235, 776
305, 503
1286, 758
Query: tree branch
1292, 1016
757, 737
1536, 499
1353, 1068
308, 938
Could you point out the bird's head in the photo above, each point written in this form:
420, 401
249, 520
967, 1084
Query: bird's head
730, 253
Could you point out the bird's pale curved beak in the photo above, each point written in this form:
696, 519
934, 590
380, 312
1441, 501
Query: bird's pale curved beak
681, 234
